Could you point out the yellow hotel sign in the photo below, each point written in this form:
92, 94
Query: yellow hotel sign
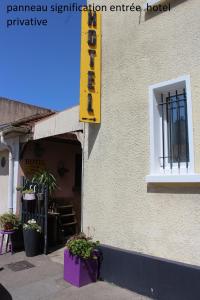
90, 84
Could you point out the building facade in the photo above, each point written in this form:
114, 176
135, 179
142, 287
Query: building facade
15, 130
12, 110
142, 163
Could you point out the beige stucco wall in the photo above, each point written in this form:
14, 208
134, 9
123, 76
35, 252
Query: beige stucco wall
160, 220
4, 182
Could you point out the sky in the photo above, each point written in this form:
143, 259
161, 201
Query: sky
40, 65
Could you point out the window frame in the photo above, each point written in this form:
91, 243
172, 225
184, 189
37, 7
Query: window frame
154, 119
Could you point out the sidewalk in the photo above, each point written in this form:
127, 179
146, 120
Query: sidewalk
45, 281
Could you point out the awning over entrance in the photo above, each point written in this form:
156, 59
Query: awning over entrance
60, 123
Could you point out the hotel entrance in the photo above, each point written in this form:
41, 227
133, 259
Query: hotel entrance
59, 157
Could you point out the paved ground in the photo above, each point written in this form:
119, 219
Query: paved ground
45, 282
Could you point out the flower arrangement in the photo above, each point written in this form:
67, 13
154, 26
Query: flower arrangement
9, 221
32, 225
82, 246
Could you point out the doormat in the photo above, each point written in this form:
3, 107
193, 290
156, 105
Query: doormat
20, 265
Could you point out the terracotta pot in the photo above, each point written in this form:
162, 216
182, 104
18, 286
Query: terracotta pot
8, 226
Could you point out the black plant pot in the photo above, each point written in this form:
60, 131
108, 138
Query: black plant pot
17, 240
32, 242
40, 196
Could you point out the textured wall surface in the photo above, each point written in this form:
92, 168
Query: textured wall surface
11, 110
137, 51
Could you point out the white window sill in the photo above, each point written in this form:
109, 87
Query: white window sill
173, 178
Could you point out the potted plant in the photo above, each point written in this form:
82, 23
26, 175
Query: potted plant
81, 260
9, 221
45, 178
28, 194
17, 239
32, 238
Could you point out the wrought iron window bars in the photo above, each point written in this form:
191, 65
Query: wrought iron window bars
175, 144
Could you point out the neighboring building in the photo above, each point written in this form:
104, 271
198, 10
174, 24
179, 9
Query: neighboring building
142, 163
12, 110
16, 121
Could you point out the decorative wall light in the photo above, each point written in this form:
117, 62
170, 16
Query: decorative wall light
3, 162
61, 169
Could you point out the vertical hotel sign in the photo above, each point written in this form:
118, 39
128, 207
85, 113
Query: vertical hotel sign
90, 84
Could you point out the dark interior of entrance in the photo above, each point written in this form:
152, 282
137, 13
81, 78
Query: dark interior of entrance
61, 156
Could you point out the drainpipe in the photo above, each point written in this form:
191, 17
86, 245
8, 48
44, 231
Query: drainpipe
11, 173
11, 179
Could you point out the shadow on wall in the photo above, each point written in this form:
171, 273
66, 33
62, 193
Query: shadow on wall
174, 188
93, 130
152, 14
4, 294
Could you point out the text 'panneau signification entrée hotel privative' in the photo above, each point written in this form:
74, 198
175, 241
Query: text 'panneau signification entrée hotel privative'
90, 84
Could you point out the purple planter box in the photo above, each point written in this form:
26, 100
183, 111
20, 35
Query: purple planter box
79, 272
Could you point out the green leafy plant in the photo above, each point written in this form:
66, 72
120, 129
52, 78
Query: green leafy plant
24, 190
32, 225
28, 191
9, 221
82, 246
46, 178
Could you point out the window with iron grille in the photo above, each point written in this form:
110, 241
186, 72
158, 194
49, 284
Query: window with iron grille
171, 127
175, 147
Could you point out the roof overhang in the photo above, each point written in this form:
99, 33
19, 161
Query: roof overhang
58, 124
12, 131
